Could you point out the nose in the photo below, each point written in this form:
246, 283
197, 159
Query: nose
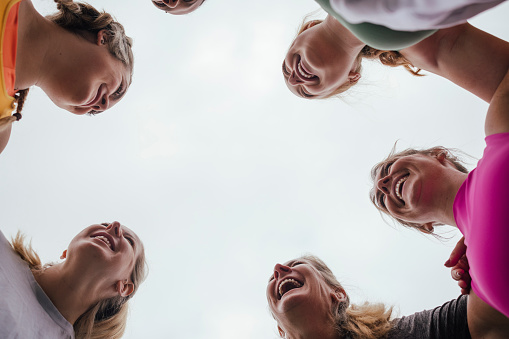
171, 3
384, 184
280, 270
103, 104
294, 80
117, 228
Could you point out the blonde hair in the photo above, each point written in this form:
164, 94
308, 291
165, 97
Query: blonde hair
82, 19
366, 321
374, 194
105, 320
387, 58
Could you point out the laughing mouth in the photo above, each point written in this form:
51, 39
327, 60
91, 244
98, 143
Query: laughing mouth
399, 188
287, 285
105, 240
302, 71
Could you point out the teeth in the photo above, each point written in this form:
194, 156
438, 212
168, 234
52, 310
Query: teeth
398, 185
288, 281
302, 72
103, 238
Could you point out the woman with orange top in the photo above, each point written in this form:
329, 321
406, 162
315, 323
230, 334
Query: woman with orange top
80, 57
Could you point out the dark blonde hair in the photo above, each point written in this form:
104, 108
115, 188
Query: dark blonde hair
375, 194
105, 320
387, 58
83, 19
366, 321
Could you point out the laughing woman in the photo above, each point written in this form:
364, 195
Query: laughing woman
80, 57
325, 59
425, 188
308, 302
85, 296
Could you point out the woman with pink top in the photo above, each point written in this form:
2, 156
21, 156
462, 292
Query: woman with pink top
425, 188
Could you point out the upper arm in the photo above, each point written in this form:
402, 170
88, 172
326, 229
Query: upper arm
5, 134
497, 119
484, 321
469, 57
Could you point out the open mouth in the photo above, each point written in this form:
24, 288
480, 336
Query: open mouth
398, 188
106, 239
287, 285
303, 72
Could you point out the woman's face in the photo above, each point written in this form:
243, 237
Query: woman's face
110, 250
93, 83
411, 188
315, 65
299, 298
177, 7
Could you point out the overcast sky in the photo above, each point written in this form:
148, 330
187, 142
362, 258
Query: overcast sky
223, 172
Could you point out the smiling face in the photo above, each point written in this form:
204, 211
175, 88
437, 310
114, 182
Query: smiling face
316, 66
300, 299
108, 250
412, 188
93, 82
178, 7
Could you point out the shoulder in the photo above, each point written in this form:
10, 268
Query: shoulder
446, 321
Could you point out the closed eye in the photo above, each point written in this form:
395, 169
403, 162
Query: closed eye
285, 71
130, 240
381, 200
304, 94
159, 4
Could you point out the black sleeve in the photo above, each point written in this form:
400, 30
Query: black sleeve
446, 321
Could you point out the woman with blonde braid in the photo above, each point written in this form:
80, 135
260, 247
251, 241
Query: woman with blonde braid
80, 57
85, 296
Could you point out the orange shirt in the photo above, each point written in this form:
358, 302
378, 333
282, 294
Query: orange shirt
8, 45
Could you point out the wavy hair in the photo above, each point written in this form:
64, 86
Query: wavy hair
105, 320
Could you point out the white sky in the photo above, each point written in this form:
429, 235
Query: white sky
223, 172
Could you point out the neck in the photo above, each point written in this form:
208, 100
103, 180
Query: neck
72, 292
341, 36
44, 49
445, 208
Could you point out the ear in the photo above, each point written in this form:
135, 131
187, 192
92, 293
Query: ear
64, 254
353, 77
124, 287
338, 296
282, 333
102, 37
442, 157
310, 24
428, 227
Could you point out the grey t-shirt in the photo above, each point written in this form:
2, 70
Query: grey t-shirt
26, 312
446, 321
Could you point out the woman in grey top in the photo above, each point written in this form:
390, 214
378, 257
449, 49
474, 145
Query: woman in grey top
308, 302
85, 296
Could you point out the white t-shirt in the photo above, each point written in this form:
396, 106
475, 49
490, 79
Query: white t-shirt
26, 312
411, 15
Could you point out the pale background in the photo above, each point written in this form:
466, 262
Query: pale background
223, 172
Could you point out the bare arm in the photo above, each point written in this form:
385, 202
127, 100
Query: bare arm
466, 55
484, 321
497, 119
